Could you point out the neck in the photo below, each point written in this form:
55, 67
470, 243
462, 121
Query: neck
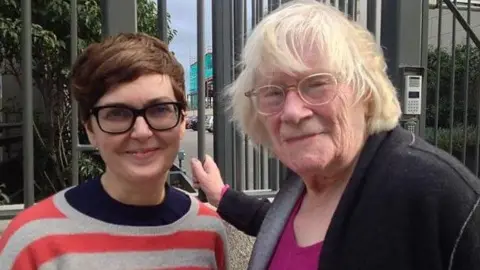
131, 193
319, 184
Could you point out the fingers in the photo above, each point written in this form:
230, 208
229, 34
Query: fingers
209, 165
197, 169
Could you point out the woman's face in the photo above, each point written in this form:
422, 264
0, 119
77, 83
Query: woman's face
317, 139
141, 153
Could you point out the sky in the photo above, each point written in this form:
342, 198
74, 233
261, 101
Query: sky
184, 19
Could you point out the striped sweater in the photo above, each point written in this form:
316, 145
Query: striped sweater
53, 235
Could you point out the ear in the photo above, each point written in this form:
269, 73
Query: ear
91, 135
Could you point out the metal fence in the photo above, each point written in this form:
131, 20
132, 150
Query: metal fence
453, 105
401, 27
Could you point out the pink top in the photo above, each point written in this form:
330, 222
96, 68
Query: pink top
288, 255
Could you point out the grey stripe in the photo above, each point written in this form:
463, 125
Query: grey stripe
133, 260
78, 223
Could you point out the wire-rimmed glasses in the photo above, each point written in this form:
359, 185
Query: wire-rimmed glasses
315, 89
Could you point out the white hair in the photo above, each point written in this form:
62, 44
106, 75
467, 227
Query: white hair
350, 49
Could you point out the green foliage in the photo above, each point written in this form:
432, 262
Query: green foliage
51, 64
458, 137
443, 82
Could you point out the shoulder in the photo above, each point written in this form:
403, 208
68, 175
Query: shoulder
204, 214
405, 156
27, 227
408, 168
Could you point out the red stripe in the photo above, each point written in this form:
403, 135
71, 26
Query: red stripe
42, 210
51, 247
204, 210
219, 253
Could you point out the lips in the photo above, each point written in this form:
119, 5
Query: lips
300, 137
143, 151
143, 154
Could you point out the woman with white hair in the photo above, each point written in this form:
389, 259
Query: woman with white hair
365, 193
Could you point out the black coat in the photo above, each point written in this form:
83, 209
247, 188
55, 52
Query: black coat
407, 206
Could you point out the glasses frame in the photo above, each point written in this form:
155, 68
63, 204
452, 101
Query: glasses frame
295, 87
139, 112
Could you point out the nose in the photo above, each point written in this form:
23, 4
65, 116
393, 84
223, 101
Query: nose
141, 130
294, 109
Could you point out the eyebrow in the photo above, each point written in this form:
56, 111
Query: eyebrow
148, 103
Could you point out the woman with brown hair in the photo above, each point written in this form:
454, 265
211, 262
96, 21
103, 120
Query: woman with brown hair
131, 95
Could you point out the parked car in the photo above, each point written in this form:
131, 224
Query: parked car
190, 121
209, 124
195, 123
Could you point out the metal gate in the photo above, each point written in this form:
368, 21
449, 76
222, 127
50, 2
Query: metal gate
453, 105
401, 27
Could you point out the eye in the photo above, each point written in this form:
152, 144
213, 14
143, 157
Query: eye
115, 114
269, 92
161, 110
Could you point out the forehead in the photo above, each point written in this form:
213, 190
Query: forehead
141, 91
302, 61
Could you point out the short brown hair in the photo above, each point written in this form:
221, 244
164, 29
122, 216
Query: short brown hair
120, 59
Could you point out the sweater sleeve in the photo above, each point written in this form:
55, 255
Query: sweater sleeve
244, 212
465, 254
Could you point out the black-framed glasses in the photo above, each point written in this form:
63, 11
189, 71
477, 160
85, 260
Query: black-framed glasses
117, 119
315, 89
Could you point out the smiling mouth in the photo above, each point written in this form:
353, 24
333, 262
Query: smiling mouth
143, 151
299, 138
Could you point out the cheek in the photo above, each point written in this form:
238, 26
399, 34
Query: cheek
109, 144
271, 124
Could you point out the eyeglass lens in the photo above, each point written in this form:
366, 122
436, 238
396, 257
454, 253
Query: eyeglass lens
315, 90
117, 119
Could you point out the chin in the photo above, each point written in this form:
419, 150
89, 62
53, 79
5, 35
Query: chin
144, 174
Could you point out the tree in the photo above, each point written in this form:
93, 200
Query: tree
51, 66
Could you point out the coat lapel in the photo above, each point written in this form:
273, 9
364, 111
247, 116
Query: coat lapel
274, 222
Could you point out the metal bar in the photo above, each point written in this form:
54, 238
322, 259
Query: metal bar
86, 147
239, 40
452, 85
273, 5
341, 5
263, 156
466, 87
374, 9
73, 56
28, 162
425, 19
162, 20
246, 142
201, 86
439, 66
461, 20
222, 27
9, 211
104, 18
352, 9
255, 154
10, 125
259, 10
